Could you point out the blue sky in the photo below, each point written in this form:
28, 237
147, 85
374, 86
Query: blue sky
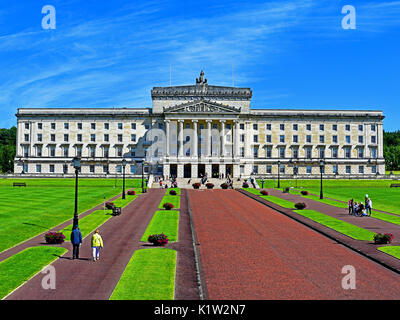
292, 54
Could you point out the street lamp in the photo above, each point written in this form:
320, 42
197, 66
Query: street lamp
279, 170
262, 183
123, 177
76, 162
321, 166
295, 171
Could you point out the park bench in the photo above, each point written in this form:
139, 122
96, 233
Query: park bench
19, 184
116, 211
394, 185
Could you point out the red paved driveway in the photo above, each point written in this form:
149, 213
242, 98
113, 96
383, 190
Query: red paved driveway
249, 251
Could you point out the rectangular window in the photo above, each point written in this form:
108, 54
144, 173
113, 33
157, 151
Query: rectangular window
321, 153
39, 137
53, 126
133, 152
242, 138
308, 138
309, 169
308, 127
308, 152
93, 137
348, 139
66, 137
348, 169
53, 137
347, 127
241, 151
106, 137
66, 152
334, 152
66, 125
255, 126
27, 125
79, 137
321, 127
334, 169
241, 126
282, 139
360, 127
373, 153
373, 127
39, 151
93, 152
347, 152
360, 139
133, 169
322, 139
295, 152
255, 138
133, 126
105, 169
119, 126
255, 169
295, 127
119, 152
282, 152
79, 125
26, 137
38, 168
119, 168
268, 152
93, 126
133, 137
51, 168
91, 168
361, 169
79, 152
361, 153
373, 169
334, 139
106, 126
295, 139
52, 151
282, 127
255, 152
106, 152
268, 169
268, 138
40, 126
282, 168
373, 139
268, 126
334, 127
120, 138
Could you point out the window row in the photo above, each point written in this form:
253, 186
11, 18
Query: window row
93, 125
321, 139
309, 169
321, 127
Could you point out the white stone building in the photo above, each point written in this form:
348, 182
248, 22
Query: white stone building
209, 129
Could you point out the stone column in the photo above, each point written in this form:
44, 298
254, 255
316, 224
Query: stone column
247, 141
208, 138
180, 153
222, 140
167, 137
195, 139
236, 147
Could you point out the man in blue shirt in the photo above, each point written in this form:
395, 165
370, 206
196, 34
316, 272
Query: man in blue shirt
76, 240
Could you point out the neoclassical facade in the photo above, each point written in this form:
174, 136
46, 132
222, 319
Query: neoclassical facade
200, 129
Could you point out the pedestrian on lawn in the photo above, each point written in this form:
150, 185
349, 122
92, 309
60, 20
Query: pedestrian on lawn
351, 204
76, 240
97, 243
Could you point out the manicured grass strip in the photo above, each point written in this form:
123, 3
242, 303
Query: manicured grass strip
124, 202
175, 200
280, 202
89, 223
346, 228
385, 217
19, 268
391, 250
166, 221
149, 275
327, 201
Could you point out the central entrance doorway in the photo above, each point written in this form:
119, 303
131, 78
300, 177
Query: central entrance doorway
215, 170
187, 170
229, 170
201, 170
173, 170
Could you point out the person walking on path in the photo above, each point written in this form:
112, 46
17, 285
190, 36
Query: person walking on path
76, 240
369, 208
97, 243
351, 206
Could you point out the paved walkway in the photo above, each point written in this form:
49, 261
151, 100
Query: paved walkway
368, 223
250, 251
85, 279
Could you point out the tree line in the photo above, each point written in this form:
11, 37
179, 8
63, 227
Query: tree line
8, 138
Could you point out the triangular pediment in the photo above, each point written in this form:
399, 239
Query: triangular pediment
202, 106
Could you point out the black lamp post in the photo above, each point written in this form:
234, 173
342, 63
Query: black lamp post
123, 177
77, 165
321, 166
262, 183
279, 170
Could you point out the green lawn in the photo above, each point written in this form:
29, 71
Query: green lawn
346, 228
391, 250
165, 221
280, 202
149, 275
46, 203
89, 223
19, 268
175, 200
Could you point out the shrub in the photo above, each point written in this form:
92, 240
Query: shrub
131, 192
264, 192
209, 185
286, 190
383, 238
110, 205
224, 185
172, 192
304, 193
54, 237
300, 205
245, 185
196, 185
158, 239
168, 206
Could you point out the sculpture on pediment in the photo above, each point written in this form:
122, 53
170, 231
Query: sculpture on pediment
200, 80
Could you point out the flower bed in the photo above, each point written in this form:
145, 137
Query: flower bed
109, 205
168, 206
54, 237
300, 205
380, 238
172, 192
224, 185
158, 239
304, 193
196, 185
131, 192
245, 185
209, 185
264, 192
